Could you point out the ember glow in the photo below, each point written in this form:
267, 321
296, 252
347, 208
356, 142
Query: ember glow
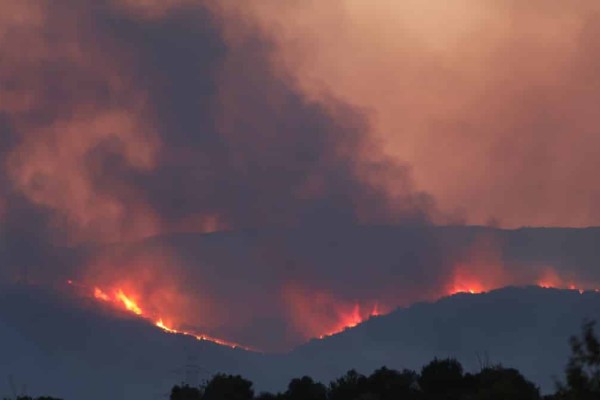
352, 319
342, 318
124, 301
119, 298
99, 294
549, 279
471, 287
129, 303
476, 278
319, 314
161, 324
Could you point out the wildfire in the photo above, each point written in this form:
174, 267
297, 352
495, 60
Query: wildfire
161, 324
352, 319
473, 283
127, 302
551, 279
319, 314
119, 297
99, 294
472, 288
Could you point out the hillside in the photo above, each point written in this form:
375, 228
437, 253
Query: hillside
525, 328
74, 350
260, 286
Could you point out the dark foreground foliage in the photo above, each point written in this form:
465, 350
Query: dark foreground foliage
439, 380
35, 398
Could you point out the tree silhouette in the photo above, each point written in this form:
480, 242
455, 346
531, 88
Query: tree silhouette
349, 386
185, 392
270, 396
228, 387
498, 383
442, 380
37, 398
388, 384
583, 369
306, 389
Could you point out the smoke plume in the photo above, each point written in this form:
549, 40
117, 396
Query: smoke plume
129, 128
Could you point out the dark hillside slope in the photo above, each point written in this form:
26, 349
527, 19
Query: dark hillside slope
526, 328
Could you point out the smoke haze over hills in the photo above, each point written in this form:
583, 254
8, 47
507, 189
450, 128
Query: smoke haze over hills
274, 171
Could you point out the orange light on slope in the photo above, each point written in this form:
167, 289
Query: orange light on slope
467, 283
124, 301
99, 294
550, 279
318, 313
472, 288
351, 319
128, 303
376, 312
161, 324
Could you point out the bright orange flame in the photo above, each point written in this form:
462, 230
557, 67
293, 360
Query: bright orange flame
473, 288
318, 313
128, 303
466, 281
161, 324
351, 319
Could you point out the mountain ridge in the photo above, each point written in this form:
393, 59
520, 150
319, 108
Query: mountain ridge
78, 353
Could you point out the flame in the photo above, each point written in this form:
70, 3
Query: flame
161, 324
551, 279
318, 313
129, 303
469, 280
375, 312
120, 299
351, 319
99, 294
471, 287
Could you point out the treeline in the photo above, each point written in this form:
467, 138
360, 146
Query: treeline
35, 398
441, 379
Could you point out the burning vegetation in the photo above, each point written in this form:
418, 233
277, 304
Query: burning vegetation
127, 302
317, 313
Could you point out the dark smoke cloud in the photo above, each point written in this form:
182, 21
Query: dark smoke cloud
133, 126
126, 120
128, 124
241, 148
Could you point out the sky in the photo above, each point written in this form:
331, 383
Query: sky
123, 120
